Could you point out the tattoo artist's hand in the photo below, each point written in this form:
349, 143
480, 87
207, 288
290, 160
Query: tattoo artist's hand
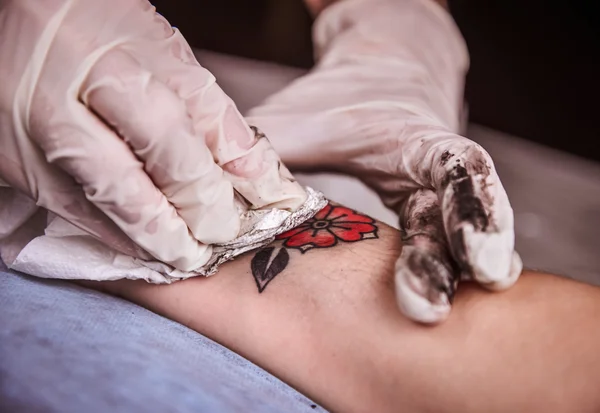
107, 119
383, 103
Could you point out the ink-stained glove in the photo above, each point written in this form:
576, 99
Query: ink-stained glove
107, 120
383, 103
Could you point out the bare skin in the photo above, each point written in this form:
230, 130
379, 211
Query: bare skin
327, 323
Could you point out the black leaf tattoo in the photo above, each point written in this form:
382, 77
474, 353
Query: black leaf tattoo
267, 263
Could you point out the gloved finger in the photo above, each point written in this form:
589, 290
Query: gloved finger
116, 183
154, 122
426, 276
477, 215
249, 160
244, 152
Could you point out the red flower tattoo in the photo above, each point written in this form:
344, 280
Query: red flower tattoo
329, 225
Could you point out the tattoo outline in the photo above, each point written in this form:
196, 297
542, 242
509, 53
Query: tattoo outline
325, 230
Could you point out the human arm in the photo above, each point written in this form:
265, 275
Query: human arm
328, 325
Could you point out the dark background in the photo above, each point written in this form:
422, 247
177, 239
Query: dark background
534, 64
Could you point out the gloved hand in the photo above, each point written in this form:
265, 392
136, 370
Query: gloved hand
383, 103
107, 119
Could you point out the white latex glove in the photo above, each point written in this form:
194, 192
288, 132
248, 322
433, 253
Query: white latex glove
383, 103
107, 119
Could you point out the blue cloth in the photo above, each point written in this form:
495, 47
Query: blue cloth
67, 349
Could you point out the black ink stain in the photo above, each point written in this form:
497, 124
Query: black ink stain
264, 272
465, 204
430, 216
257, 133
436, 279
446, 157
459, 250
313, 406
